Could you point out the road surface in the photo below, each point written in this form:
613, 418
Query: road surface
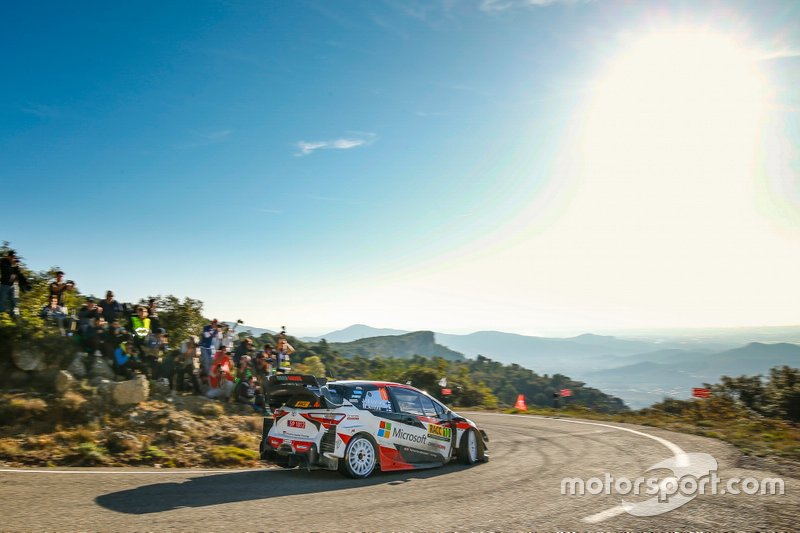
518, 489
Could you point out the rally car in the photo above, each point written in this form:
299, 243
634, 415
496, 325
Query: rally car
358, 426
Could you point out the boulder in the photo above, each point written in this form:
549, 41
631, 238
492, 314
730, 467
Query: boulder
119, 442
159, 387
98, 368
131, 392
64, 381
78, 365
29, 359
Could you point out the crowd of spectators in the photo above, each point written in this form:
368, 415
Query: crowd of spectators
216, 363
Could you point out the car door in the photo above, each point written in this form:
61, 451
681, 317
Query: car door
419, 435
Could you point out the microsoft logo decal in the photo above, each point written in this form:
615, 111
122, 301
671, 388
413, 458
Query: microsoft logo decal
385, 430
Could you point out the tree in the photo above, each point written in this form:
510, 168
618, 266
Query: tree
181, 318
311, 365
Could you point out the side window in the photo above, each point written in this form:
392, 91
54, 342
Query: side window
441, 410
368, 397
409, 401
427, 406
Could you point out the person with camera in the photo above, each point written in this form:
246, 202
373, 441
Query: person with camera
221, 379
11, 278
207, 344
59, 287
283, 353
245, 348
125, 361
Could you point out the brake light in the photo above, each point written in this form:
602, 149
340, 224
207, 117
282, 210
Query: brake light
279, 413
275, 442
327, 420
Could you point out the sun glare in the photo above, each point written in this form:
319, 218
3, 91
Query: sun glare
671, 132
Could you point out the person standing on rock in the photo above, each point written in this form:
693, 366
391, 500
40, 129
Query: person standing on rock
210, 334
10, 275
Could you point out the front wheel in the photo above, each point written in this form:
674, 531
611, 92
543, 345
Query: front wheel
470, 451
360, 458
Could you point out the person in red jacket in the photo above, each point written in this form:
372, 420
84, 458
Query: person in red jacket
221, 379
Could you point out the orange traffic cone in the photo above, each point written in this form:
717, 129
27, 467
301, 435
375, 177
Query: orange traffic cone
521, 403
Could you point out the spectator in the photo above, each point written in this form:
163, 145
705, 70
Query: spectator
56, 314
187, 367
152, 312
246, 392
228, 338
244, 369
283, 352
207, 348
141, 328
10, 275
113, 335
111, 308
125, 361
58, 288
87, 316
156, 347
244, 348
221, 379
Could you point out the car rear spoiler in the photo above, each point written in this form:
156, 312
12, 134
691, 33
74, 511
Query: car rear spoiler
290, 388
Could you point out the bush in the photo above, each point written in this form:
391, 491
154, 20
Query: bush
232, 456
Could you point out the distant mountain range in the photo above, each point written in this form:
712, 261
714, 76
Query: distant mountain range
640, 370
402, 346
354, 333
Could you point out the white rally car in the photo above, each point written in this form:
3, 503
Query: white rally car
356, 426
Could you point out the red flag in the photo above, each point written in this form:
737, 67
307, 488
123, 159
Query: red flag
446, 392
565, 392
701, 393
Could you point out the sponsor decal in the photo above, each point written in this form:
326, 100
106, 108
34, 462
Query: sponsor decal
352, 417
375, 401
385, 430
410, 437
302, 403
296, 423
438, 432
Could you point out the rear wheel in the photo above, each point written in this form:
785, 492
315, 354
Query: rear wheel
471, 449
360, 458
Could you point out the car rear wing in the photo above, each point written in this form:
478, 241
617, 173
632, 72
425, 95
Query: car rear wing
296, 390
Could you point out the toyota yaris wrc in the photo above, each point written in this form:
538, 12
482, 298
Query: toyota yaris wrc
358, 426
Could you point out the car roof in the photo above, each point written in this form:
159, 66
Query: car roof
376, 383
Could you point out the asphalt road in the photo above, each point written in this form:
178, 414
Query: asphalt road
518, 489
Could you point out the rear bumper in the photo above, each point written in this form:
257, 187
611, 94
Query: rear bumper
287, 456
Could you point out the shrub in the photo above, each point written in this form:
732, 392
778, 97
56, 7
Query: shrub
232, 456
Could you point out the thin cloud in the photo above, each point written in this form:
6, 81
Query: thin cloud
345, 143
491, 6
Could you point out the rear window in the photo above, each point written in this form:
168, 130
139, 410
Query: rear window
366, 397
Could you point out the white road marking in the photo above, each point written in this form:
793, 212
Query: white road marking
676, 450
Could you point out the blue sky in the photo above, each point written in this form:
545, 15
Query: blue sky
403, 164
